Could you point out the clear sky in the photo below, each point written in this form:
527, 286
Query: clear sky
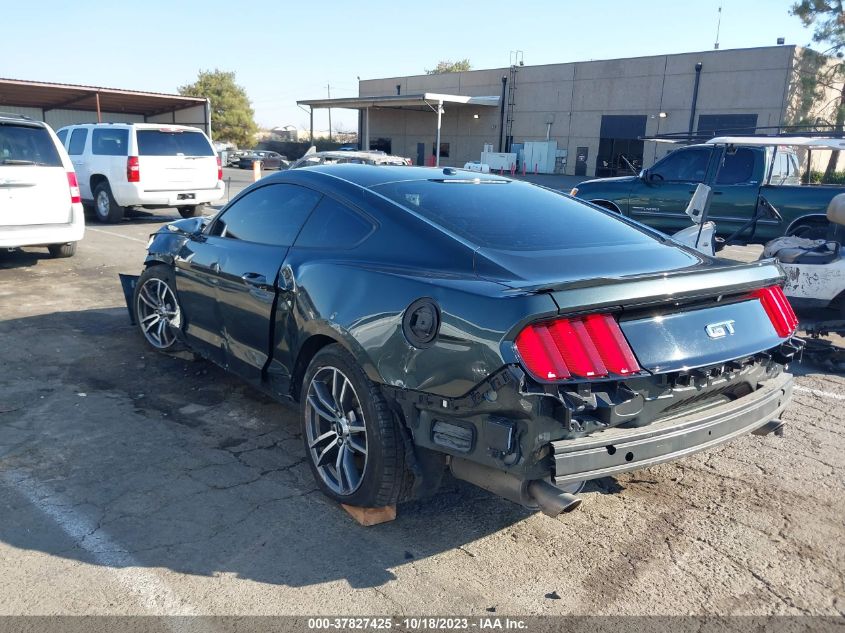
283, 51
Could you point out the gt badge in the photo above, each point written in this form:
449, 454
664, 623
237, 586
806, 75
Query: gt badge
720, 329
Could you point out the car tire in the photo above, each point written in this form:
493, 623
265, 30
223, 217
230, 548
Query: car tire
62, 250
155, 305
106, 208
191, 211
355, 464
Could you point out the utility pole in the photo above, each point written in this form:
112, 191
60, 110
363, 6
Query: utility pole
329, 92
718, 27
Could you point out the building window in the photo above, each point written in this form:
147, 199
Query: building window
620, 148
381, 144
733, 124
444, 150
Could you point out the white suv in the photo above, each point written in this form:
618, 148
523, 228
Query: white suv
39, 196
143, 165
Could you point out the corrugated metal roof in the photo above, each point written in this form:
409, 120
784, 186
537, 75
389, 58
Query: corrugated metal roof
415, 101
53, 96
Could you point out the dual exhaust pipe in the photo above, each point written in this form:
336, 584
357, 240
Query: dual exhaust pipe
537, 493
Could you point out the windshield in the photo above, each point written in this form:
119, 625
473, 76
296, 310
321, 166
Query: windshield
173, 143
27, 145
509, 215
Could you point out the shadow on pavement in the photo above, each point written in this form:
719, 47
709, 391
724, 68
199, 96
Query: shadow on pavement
114, 455
20, 258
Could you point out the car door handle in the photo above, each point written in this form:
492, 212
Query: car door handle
715, 193
255, 279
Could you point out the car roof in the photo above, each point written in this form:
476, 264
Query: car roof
20, 119
140, 126
346, 154
368, 176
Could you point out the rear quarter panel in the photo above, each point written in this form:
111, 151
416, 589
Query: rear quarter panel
795, 203
362, 305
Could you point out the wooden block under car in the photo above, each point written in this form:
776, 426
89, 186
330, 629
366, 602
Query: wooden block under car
371, 516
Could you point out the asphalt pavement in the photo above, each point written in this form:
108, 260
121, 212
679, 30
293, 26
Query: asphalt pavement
137, 483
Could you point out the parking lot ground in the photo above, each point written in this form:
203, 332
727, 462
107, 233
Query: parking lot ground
137, 483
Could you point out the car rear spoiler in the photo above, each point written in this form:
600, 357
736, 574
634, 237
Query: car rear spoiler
607, 292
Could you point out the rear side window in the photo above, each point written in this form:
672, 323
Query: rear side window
77, 141
110, 142
273, 214
27, 145
333, 225
62, 134
738, 168
511, 215
173, 143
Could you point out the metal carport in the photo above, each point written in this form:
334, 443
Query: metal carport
48, 97
420, 102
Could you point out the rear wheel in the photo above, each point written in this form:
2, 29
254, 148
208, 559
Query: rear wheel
191, 212
62, 250
354, 447
157, 309
105, 207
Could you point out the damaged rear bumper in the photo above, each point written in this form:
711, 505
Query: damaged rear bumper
617, 450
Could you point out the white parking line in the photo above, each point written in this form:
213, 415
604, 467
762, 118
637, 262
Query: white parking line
154, 594
819, 393
125, 237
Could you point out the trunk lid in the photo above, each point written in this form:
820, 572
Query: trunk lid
699, 316
173, 159
33, 195
700, 338
33, 182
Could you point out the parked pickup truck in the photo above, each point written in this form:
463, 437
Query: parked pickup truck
738, 175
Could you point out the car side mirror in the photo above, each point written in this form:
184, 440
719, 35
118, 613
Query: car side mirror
190, 227
644, 175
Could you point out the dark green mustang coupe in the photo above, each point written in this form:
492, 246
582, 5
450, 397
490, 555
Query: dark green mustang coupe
427, 319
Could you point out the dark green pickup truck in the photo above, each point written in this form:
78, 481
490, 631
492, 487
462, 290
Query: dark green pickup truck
738, 175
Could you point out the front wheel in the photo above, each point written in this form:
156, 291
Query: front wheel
157, 309
354, 446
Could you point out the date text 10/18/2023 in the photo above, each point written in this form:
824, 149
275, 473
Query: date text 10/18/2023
420, 623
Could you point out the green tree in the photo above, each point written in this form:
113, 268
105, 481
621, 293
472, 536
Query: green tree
828, 21
232, 116
448, 66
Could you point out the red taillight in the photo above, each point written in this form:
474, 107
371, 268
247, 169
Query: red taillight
778, 309
609, 340
219, 169
73, 184
133, 169
588, 347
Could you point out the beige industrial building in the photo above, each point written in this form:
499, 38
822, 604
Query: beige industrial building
582, 118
